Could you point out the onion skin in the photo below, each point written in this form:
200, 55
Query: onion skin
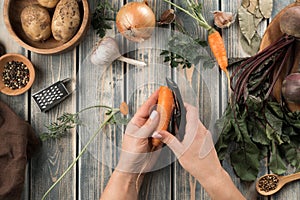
290, 21
291, 91
136, 21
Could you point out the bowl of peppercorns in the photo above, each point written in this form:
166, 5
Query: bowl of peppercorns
16, 74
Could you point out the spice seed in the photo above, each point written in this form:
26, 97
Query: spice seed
15, 75
268, 183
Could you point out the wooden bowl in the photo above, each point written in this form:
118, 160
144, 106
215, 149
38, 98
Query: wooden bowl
15, 57
12, 10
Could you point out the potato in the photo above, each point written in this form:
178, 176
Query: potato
36, 22
48, 3
66, 20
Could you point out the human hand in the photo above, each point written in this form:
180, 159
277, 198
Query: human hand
136, 156
196, 152
197, 155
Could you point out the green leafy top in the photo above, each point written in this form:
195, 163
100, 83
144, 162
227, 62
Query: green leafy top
68, 121
183, 50
100, 21
112, 117
251, 128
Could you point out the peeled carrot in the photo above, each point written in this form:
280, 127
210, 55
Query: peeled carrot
164, 108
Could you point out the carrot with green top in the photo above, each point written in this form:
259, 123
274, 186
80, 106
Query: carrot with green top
217, 47
215, 40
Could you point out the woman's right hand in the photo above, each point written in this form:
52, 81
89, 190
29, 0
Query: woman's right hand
197, 155
196, 152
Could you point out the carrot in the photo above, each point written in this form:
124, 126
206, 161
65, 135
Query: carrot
217, 47
215, 40
216, 44
165, 109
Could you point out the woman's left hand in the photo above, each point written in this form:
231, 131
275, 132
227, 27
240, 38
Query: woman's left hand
136, 147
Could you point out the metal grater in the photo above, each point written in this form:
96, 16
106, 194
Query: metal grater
51, 96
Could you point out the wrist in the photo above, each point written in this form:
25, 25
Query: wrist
211, 179
122, 185
220, 184
129, 179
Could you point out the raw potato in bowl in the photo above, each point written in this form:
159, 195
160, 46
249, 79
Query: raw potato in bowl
36, 22
66, 20
48, 3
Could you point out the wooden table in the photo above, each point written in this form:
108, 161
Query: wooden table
93, 85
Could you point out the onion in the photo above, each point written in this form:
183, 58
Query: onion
136, 21
291, 91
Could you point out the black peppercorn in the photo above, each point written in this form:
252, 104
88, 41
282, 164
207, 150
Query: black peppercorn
15, 75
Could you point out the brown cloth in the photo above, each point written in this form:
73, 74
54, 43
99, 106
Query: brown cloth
17, 144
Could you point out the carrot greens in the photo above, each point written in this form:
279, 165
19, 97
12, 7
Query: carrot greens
69, 121
100, 21
215, 41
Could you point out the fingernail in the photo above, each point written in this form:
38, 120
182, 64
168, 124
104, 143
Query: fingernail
153, 115
156, 135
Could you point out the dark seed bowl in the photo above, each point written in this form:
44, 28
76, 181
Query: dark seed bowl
17, 74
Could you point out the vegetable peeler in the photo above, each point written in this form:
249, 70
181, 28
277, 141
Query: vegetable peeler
179, 114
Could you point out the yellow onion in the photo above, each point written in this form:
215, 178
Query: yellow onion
136, 21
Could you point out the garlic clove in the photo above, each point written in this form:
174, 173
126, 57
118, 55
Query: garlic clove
223, 19
105, 52
167, 17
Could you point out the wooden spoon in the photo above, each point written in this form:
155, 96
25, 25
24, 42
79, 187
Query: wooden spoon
272, 183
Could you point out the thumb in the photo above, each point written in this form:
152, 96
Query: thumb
171, 141
150, 126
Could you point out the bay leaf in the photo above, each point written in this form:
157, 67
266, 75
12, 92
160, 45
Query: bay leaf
245, 3
246, 22
265, 7
252, 47
258, 17
253, 6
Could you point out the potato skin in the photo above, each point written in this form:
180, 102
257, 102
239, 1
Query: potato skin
48, 3
66, 20
36, 22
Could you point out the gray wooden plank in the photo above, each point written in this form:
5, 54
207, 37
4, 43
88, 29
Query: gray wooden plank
204, 83
55, 155
98, 85
232, 38
140, 83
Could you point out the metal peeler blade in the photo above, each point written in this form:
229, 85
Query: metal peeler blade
179, 115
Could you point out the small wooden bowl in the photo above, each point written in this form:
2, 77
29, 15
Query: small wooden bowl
12, 11
15, 57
